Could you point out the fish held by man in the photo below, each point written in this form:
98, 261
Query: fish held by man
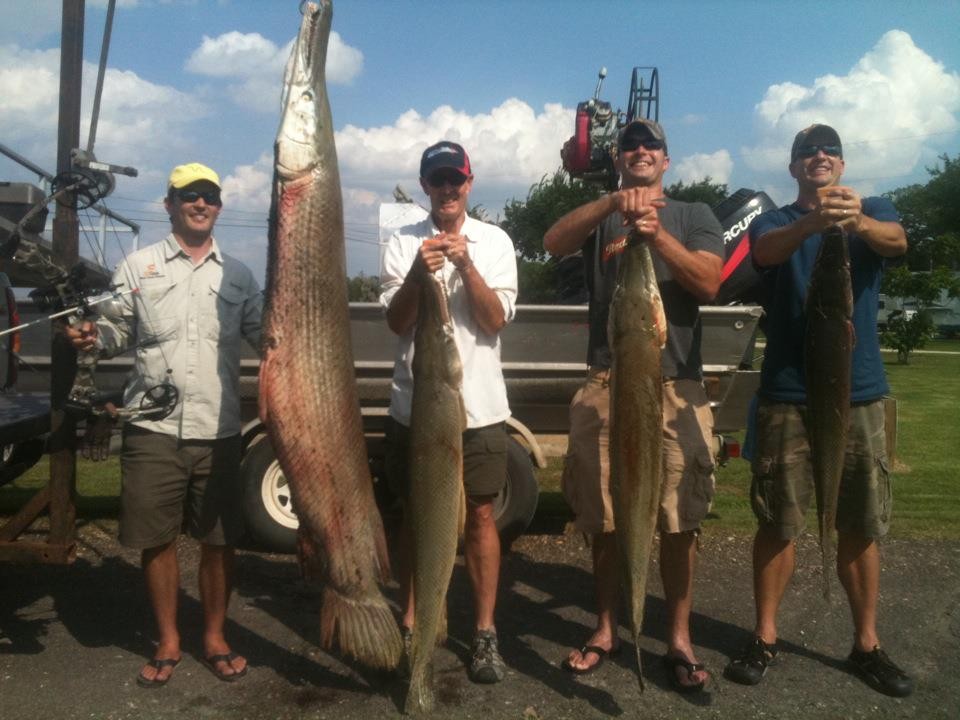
828, 357
436, 497
637, 333
308, 394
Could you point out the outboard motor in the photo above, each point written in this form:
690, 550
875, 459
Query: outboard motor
739, 280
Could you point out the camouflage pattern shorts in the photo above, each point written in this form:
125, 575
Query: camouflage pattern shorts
782, 487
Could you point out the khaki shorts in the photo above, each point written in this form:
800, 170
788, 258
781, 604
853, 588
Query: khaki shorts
484, 459
170, 485
688, 482
782, 487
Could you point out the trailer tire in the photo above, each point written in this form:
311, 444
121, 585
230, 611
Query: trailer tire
267, 504
515, 505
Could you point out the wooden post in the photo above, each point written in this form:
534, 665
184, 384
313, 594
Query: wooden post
63, 443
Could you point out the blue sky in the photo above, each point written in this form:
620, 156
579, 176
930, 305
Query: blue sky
200, 80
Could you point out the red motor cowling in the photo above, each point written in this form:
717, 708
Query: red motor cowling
576, 151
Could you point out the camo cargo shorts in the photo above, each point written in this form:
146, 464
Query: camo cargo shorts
782, 487
688, 481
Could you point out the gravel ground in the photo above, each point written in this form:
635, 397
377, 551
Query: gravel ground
73, 638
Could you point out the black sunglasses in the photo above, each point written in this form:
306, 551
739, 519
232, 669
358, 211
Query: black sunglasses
210, 197
631, 144
439, 179
808, 151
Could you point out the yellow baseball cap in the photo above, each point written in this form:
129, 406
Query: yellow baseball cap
184, 175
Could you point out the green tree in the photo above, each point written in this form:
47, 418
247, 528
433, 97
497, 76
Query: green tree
931, 218
526, 221
363, 288
705, 191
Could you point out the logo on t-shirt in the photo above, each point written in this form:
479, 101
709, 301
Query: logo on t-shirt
614, 247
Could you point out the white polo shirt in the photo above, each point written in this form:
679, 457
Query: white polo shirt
492, 253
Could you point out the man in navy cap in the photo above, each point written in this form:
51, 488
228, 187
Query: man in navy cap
785, 243
193, 307
478, 266
686, 243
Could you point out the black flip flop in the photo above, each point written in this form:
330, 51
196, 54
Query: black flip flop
211, 662
601, 654
146, 682
672, 663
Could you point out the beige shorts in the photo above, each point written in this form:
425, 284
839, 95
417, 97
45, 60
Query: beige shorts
688, 482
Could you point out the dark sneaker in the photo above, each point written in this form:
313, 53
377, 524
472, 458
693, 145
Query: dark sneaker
403, 668
751, 666
486, 665
879, 672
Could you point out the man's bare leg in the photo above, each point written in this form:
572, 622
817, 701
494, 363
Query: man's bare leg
607, 596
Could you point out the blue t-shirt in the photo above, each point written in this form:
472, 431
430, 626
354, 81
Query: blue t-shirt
784, 292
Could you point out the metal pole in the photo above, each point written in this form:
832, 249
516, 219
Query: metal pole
63, 442
104, 48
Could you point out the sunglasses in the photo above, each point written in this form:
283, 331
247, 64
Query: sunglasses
809, 151
210, 197
631, 144
439, 179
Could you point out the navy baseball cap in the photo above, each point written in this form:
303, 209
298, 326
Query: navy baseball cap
444, 154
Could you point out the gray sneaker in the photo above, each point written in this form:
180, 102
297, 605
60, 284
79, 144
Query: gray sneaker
486, 665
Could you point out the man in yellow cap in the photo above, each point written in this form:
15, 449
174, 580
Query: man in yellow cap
180, 466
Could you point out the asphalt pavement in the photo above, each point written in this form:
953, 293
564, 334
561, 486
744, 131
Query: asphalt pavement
72, 639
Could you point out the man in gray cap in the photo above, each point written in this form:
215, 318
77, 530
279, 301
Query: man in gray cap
784, 243
686, 243
193, 307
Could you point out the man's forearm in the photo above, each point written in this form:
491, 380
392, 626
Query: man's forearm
698, 271
570, 232
485, 305
402, 311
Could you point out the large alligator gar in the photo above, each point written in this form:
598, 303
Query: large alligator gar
828, 350
435, 505
308, 393
636, 333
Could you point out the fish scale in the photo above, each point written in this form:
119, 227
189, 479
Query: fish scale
828, 360
637, 332
435, 505
308, 393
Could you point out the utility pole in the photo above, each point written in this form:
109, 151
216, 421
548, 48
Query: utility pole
63, 436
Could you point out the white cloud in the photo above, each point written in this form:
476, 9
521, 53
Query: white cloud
511, 145
135, 125
256, 64
885, 108
693, 168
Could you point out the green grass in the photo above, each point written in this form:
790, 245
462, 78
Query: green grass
98, 488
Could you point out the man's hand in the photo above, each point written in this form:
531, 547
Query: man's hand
839, 205
456, 252
83, 335
639, 209
431, 255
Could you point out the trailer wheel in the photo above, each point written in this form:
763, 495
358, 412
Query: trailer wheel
267, 504
515, 505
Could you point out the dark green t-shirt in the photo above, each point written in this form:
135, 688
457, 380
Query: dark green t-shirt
697, 229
